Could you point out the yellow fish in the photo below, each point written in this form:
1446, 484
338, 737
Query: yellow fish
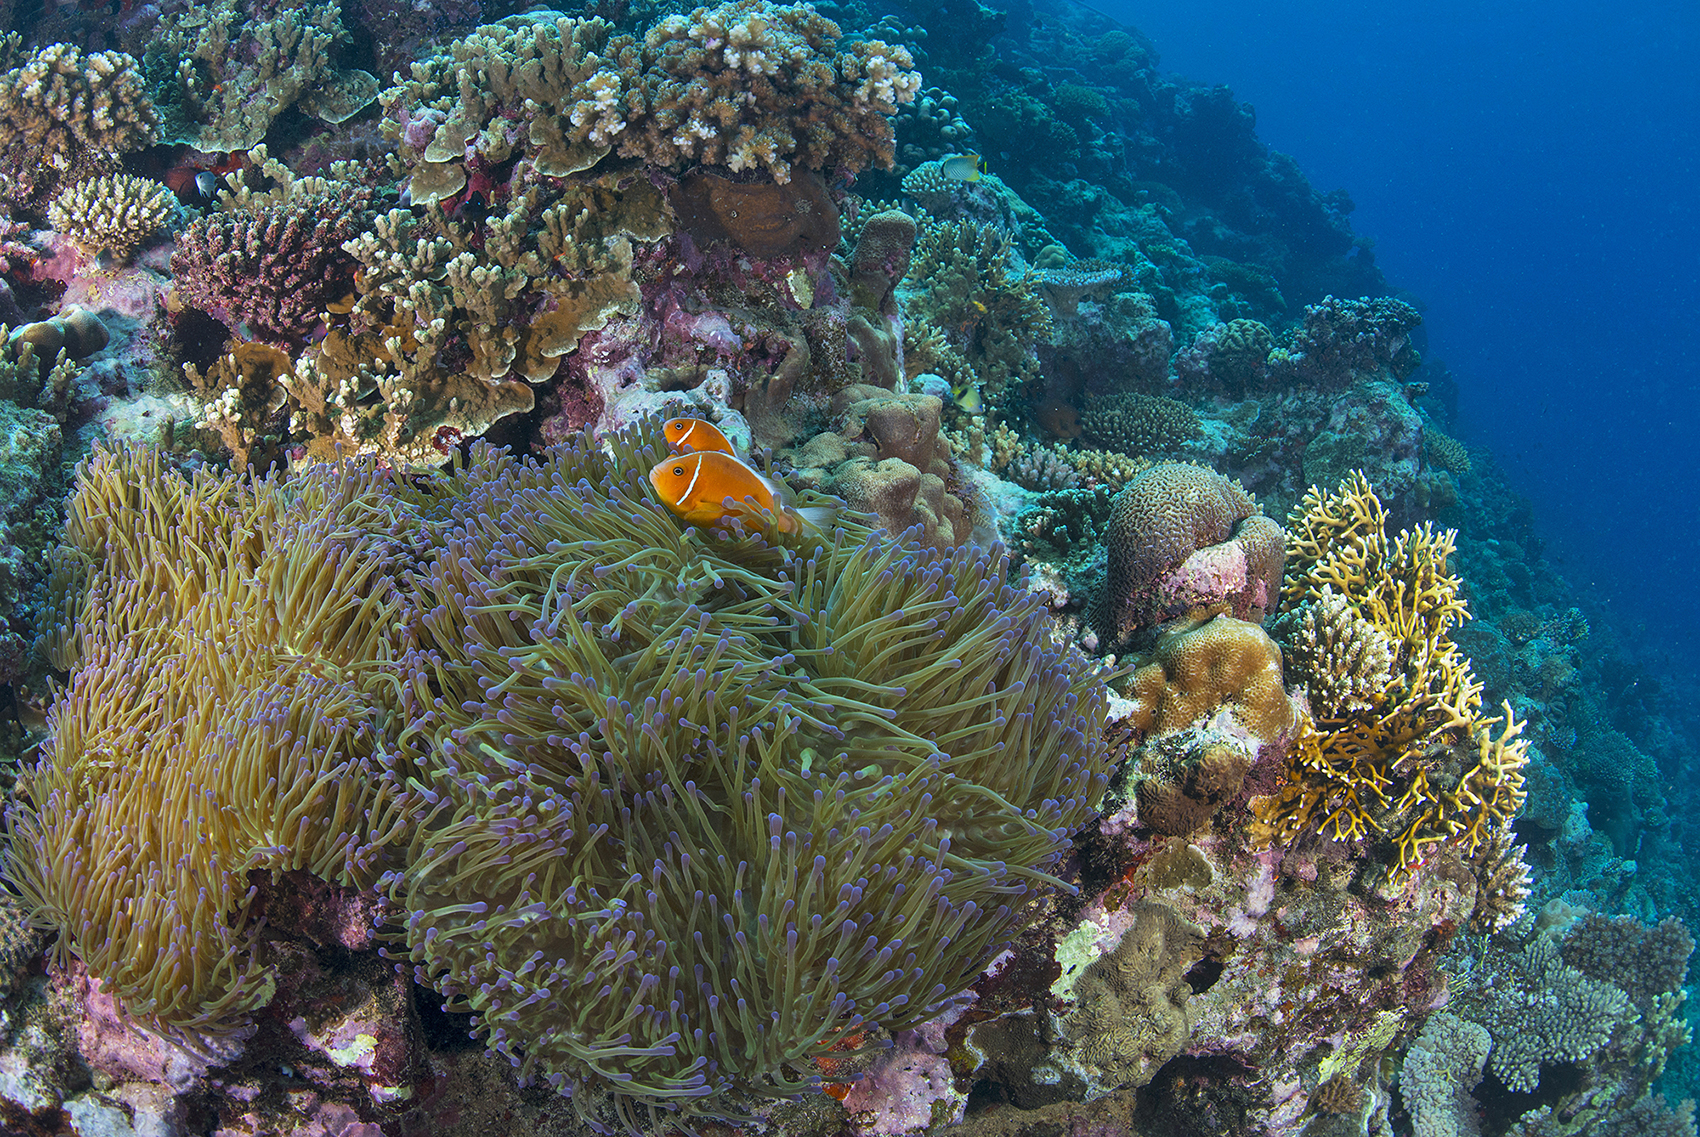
962, 167
693, 435
711, 487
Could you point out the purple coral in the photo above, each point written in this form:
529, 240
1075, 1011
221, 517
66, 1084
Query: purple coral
273, 270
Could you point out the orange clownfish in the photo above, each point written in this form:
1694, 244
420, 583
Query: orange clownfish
710, 487
695, 435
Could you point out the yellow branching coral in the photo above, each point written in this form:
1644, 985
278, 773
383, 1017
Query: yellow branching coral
1414, 758
230, 643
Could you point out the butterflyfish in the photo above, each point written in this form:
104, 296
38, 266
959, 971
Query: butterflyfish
695, 435
962, 167
711, 487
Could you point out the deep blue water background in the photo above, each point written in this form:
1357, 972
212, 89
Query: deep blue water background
1531, 172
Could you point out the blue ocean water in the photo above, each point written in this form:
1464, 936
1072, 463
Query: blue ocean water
1527, 172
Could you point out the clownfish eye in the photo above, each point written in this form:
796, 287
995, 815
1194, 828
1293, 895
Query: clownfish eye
678, 471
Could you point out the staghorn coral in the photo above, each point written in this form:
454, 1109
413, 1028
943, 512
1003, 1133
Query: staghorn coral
243, 400
751, 85
1342, 340
701, 828
231, 644
1421, 763
1543, 1011
1141, 424
274, 270
1645, 962
1162, 523
66, 116
114, 213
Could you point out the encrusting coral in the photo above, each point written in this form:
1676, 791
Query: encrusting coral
1414, 761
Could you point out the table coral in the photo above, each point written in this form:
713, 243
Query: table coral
66, 116
712, 777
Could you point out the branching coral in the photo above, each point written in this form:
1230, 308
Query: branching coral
223, 72
573, 85
231, 645
754, 86
66, 116
967, 287
747, 85
274, 270
114, 213
1420, 762
1141, 424
711, 803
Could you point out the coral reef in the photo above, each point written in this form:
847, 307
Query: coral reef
66, 117
114, 213
1182, 539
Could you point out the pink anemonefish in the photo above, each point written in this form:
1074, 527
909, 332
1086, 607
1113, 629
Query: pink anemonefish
711, 487
693, 435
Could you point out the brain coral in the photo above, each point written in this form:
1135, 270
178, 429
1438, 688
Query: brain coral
698, 804
1163, 518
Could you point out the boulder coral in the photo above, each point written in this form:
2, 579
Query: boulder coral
1183, 539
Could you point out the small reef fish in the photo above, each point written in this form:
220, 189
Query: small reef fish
695, 435
711, 487
962, 167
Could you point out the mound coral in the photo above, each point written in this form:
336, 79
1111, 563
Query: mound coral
231, 645
697, 804
1183, 538
1419, 763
